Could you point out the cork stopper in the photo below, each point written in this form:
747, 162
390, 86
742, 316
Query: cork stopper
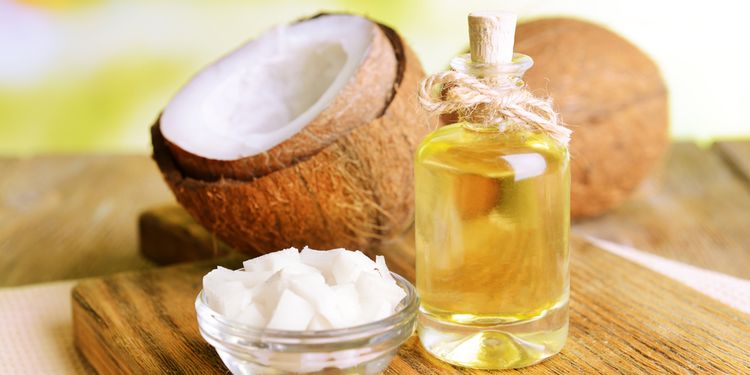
491, 37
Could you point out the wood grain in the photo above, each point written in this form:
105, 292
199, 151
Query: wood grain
624, 319
65, 217
737, 156
109, 333
167, 234
694, 210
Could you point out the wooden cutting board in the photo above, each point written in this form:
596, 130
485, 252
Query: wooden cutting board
624, 318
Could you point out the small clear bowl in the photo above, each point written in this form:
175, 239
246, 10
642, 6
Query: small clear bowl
364, 349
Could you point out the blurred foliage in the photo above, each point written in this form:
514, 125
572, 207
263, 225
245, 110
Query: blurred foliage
88, 113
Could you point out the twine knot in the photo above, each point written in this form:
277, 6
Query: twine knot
475, 99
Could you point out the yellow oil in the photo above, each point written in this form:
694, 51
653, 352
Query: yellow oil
492, 223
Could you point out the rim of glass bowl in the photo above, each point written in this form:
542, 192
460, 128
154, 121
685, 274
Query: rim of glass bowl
406, 312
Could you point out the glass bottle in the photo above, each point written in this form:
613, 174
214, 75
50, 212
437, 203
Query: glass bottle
492, 224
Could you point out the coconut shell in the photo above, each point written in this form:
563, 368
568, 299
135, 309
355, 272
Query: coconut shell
613, 97
359, 102
352, 193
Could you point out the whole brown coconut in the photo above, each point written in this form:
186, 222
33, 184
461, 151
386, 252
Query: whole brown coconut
612, 96
351, 188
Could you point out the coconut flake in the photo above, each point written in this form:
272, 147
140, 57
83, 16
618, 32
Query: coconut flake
374, 290
292, 313
267, 90
320, 259
272, 262
383, 268
319, 323
227, 298
349, 264
293, 270
289, 290
347, 303
250, 315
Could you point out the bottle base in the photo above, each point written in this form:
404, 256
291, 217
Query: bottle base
499, 346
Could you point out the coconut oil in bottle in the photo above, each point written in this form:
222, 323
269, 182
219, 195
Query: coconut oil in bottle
492, 223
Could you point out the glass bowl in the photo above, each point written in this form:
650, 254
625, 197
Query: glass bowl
363, 349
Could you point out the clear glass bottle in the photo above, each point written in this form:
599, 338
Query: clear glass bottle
492, 224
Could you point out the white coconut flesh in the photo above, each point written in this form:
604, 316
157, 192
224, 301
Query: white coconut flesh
266, 91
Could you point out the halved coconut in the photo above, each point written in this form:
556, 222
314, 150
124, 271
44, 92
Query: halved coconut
280, 98
337, 173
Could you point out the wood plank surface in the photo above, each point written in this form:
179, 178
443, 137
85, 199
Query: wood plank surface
66, 217
695, 209
168, 233
624, 319
737, 156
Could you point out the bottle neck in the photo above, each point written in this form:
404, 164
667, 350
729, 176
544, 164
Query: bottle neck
501, 77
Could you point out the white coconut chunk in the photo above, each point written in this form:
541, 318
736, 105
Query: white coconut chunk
327, 306
267, 90
347, 303
379, 311
249, 279
222, 273
321, 296
383, 268
333, 314
221, 283
311, 362
319, 323
349, 264
345, 272
373, 291
347, 358
213, 280
253, 279
311, 287
266, 296
250, 315
295, 269
227, 298
272, 262
297, 296
363, 259
320, 259
291, 313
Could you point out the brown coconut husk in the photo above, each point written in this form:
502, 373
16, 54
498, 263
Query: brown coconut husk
352, 193
360, 101
613, 97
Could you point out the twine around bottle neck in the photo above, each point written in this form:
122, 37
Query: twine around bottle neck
492, 96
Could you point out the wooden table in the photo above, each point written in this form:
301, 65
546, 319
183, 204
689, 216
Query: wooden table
71, 217
68, 217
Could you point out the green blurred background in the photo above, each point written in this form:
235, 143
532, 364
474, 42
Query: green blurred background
92, 75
